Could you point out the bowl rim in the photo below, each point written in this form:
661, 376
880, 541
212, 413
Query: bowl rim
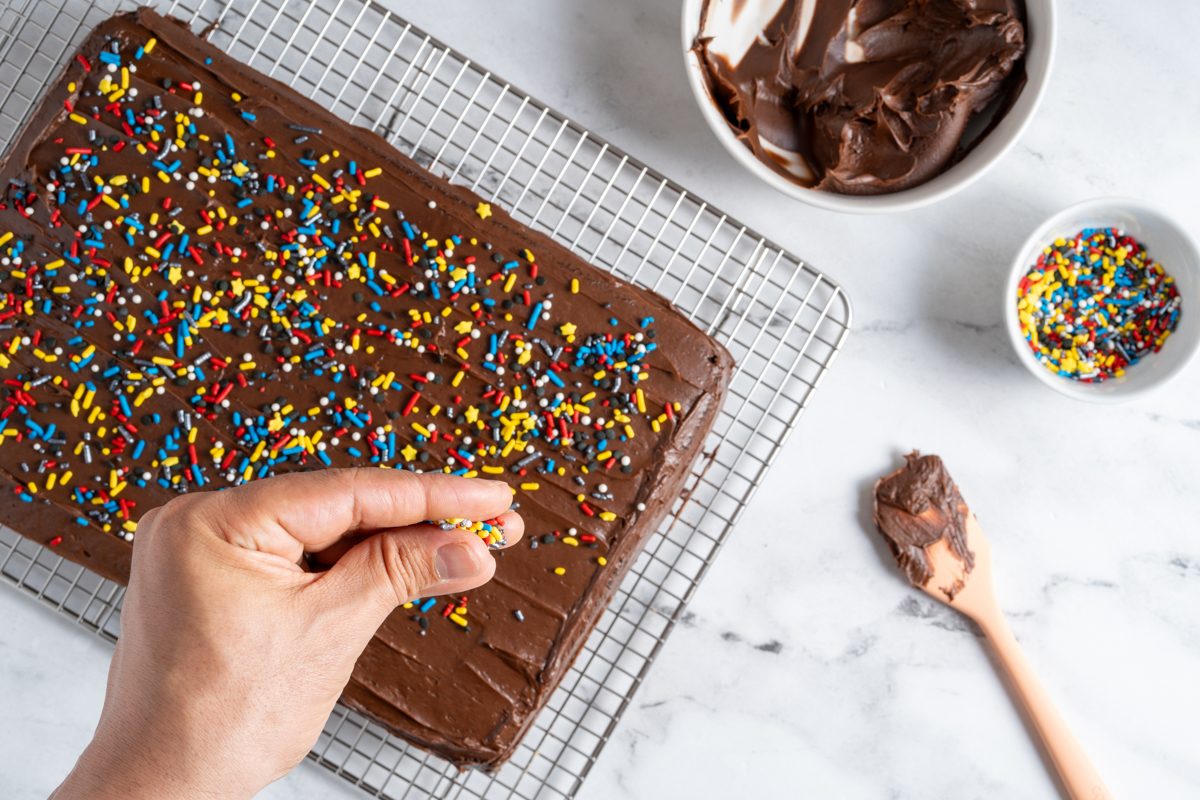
939, 187
1096, 206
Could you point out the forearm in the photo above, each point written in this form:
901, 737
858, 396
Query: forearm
105, 772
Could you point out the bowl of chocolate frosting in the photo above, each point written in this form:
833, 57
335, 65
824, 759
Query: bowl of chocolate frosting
868, 105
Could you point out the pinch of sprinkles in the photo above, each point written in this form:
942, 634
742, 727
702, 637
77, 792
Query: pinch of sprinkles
1096, 303
490, 531
143, 355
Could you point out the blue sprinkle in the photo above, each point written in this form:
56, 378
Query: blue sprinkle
533, 317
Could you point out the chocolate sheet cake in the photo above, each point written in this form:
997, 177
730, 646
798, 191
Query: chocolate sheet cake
207, 279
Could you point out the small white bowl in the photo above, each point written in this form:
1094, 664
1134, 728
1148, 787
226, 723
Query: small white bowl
1167, 243
1040, 41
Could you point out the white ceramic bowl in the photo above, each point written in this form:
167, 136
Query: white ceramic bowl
1040, 35
1168, 244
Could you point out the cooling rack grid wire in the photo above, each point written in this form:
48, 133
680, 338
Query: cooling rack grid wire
783, 321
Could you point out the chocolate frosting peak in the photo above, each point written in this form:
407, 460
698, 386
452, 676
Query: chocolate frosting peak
860, 96
917, 506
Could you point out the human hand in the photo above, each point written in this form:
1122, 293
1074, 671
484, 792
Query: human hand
232, 654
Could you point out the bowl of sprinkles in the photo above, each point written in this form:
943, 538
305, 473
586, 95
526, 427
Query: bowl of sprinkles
1102, 302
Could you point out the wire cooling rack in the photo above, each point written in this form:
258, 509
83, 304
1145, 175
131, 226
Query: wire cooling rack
783, 321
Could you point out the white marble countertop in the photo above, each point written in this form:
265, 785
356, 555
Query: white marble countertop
805, 666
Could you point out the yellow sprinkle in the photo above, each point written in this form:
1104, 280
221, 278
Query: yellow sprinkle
560, 571
574, 285
79, 119
483, 210
149, 46
602, 561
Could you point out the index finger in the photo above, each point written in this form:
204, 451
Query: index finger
308, 511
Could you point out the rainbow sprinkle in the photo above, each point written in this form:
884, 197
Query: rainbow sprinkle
1095, 304
491, 531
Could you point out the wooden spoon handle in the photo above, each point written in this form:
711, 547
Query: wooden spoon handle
1079, 778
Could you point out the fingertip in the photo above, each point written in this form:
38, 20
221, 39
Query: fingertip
514, 528
501, 490
488, 570
462, 559
462, 564
498, 495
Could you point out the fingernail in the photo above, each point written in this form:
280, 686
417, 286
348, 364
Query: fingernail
455, 562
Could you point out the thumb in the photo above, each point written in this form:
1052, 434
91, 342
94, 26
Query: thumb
394, 567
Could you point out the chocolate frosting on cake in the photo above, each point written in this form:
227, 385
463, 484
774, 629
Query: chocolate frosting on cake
206, 278
860, 96
917, 506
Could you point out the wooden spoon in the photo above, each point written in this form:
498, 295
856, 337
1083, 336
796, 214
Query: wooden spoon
971, 592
